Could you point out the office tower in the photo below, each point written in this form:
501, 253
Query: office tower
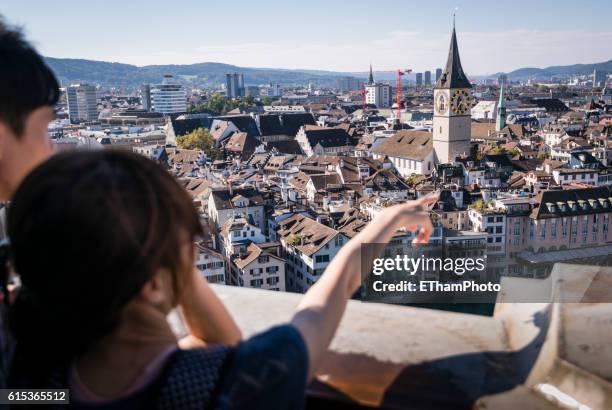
234, 85
599, 78
438, 73
419, 79
145, 97
349, 84
168, 97
82, 104
427, 77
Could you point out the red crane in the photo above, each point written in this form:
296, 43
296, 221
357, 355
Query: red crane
362, 93
398, 89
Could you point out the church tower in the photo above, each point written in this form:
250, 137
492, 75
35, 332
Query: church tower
500, 122
452, 109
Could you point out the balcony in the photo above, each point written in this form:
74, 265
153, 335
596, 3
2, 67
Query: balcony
526, 356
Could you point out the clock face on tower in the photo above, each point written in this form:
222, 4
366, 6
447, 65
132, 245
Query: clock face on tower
441, 104
461, 102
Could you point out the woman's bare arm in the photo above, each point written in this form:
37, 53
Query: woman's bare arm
206, 317
321, 308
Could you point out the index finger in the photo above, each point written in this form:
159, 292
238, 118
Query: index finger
428, 199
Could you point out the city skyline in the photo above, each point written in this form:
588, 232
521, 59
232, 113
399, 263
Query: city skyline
490, 38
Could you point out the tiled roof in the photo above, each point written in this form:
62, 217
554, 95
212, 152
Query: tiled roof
386, 180
254, 251
285, 147
223, 198
178, 155
241, 142
299, 181
276, 162
482, 130
322, 181
313, 235
326, 137
244, 123
410, 144
555, 204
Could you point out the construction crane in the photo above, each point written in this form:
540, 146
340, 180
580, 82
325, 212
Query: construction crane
398, 89
363, 93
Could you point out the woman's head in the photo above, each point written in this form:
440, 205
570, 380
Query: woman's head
89, 231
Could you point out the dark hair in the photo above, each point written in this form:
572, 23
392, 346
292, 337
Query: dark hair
88, 230
26, 83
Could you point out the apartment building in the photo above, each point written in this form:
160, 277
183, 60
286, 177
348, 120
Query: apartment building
309, 246
226, 203
493, 222
82, 103
211, 264
168, 97
259, 266
569, 219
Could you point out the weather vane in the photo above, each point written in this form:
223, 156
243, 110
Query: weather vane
454, 12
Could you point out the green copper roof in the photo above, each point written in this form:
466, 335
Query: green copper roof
502, 100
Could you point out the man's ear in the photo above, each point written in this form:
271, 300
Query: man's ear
154, 290
3, 136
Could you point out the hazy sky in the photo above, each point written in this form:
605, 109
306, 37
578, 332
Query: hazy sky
340, 35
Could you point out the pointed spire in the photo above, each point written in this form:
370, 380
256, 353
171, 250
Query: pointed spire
502, 100
371, 79
500, 122
453, 75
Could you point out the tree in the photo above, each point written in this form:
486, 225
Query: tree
412, 180
513, 152
478, 204
295, 240
215, 104
543, 89
543, 155
199, 139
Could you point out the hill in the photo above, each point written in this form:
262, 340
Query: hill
70, 70
554, 71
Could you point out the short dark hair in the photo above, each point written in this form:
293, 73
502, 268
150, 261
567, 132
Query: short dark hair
26, 82
88, 230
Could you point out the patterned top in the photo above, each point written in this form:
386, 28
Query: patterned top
267, 371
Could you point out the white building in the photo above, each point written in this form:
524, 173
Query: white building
168, 97
492, 222
411, 152
259, 266
82, 103
564, 176
485, 110
226, 203
378, 94
210, 264
237, 234
309, 247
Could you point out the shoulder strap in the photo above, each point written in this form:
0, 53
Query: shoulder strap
192, 377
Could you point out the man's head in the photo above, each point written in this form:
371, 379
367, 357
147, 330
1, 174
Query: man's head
28, 94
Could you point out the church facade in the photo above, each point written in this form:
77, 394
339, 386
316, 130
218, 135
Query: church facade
452, 109
451, 133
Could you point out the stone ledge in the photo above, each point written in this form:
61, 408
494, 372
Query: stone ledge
391, 357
